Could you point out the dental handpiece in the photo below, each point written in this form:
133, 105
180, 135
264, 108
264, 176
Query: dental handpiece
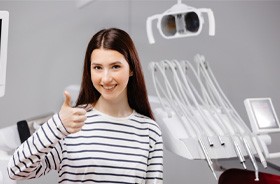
210, 163
247, 146
235, 143
262, 159
239, 153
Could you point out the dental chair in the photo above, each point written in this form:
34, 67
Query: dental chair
241, 176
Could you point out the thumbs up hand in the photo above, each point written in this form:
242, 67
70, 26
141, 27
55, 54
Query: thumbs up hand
72, 118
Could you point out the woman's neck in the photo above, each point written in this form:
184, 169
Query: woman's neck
116, 109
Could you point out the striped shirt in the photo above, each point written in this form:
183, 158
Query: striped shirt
106, 150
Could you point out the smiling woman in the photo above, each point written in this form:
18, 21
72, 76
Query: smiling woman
110, 136
110, 74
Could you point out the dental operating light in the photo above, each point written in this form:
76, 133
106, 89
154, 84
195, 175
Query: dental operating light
180, 21
4, 24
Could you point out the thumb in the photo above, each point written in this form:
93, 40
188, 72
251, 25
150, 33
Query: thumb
67, 100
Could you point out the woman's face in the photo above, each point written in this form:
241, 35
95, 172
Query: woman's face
110, 73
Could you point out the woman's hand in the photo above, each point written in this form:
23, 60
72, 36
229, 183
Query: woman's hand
73, 119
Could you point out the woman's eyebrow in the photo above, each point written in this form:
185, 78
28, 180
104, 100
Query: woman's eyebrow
113, 63
95, 64
117, 62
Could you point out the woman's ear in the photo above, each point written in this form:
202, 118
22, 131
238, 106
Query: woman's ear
130, 73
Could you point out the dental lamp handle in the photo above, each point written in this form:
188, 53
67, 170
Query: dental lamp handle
211, 20
149, 28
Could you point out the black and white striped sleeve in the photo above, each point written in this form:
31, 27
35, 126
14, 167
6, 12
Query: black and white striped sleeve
40, 153
154, 173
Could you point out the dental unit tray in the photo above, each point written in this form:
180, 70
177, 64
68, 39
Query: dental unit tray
178, 142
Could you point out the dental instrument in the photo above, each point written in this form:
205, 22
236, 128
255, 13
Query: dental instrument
199, 103
199, 131
253, 137
240, 125
196, 100
239, 128
186, 101
201, 64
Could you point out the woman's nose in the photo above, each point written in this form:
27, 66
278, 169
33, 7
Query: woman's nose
106, 77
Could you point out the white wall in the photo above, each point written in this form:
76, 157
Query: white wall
47, 42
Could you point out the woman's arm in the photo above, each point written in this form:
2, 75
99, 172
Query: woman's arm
40, 153
154, 173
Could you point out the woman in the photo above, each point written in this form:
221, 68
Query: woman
111, 139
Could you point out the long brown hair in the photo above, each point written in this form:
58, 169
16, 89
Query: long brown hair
118, 40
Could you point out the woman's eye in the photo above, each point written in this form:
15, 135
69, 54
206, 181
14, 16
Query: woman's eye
97, 68
116, 66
